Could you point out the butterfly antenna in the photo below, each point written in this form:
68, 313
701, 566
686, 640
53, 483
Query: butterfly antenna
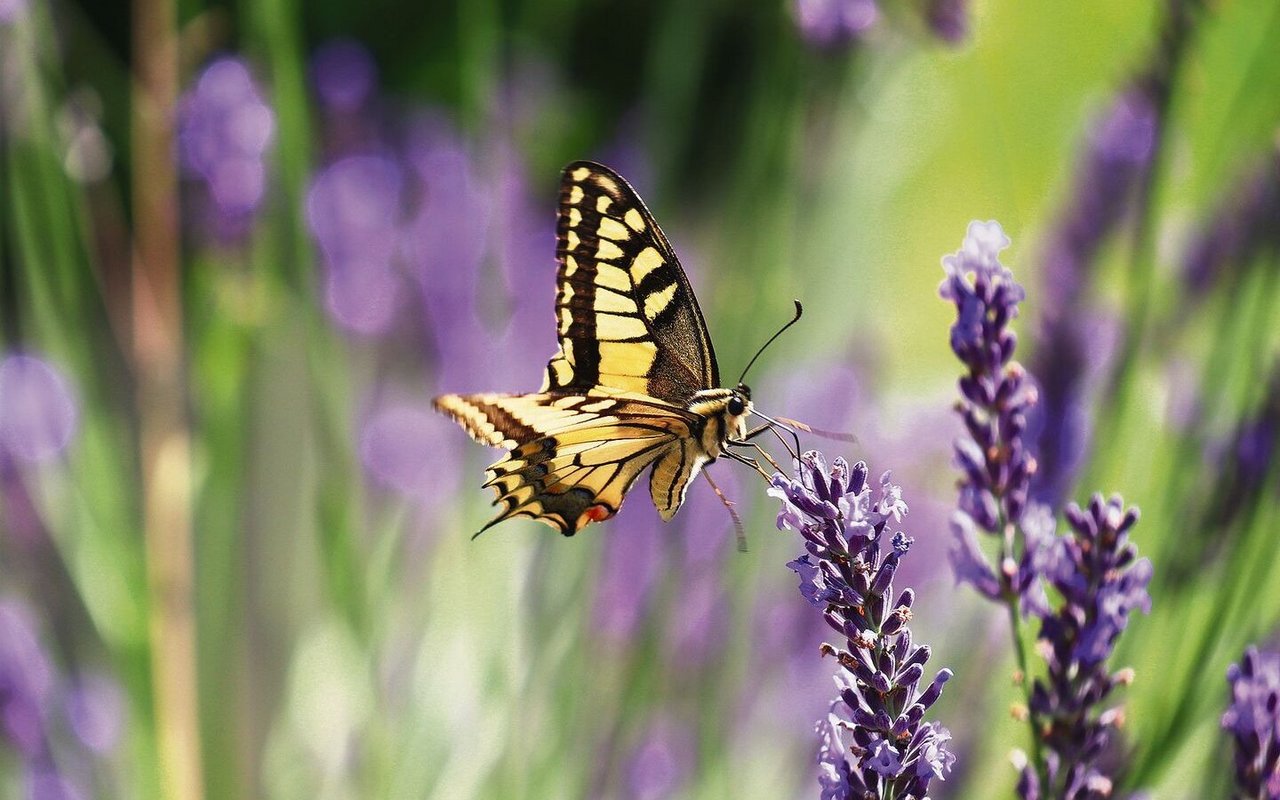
794, 320
728, 504
774, 424
835, 436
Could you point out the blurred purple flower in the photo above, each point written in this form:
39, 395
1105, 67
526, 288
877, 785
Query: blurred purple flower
1067, 361
26, 679
829, 23
1101, 581
706, 527
846, 573
43, 783
400, 447
661, 764
697, 633
95, 709
1242, 226
1253, 719
995, 463
443, 244
344, 75
38, 414
353, 210
524, 244
1240, 470
629, 570
790, 688
225, 129
12, 10
948, 19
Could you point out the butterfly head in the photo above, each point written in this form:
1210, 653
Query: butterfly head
726, 412
736, 410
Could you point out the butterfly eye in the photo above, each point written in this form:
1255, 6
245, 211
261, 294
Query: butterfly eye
736, 406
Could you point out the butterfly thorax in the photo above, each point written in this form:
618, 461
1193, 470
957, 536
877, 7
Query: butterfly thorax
725, 412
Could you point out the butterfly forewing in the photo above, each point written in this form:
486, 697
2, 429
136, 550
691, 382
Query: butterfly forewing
625, 313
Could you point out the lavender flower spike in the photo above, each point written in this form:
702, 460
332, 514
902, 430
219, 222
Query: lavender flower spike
1254, 721
1094, 569
874, 742
996, 396
1097, 572
225, 133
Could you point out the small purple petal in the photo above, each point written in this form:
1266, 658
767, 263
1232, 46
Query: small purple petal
829, 23
38, 415
95, 709
401, 446
882, 758
344, 75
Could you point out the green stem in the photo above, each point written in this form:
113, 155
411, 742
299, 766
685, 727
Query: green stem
161, 395
1020, 653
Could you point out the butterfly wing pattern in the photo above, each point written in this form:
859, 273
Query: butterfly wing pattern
625, 312
619, 394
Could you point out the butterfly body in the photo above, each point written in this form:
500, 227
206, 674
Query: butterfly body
634, 384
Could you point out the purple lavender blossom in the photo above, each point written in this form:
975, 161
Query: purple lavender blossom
1116, 160
1243, 226
948, 19
698, 633
443, 244
1095, 570
26, 680
225, 130
38, 415
831, 23
1253, 718
12, 10
661, 764
31, 699
353, 210
791, 688
344, 75
1100, 579
996, 466
874, 743
400, 449
1244, 465
629, 570
95, 711
43, 783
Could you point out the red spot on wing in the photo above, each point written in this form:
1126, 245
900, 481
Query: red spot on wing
596, 513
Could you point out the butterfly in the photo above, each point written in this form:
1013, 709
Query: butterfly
633, 386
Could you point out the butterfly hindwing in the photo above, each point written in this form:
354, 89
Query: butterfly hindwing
573, 457
625, 312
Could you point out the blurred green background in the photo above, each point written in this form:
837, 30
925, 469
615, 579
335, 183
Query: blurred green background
242, 246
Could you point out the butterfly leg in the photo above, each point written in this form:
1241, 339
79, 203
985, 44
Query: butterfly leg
773, 425
767, 427
765, 453
750, 462
728, 504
